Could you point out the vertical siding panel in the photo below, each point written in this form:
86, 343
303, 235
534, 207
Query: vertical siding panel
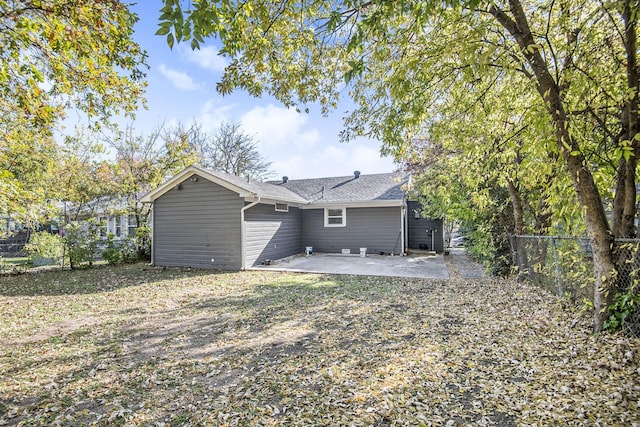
195, 224
377, 229
419, 233
272, 235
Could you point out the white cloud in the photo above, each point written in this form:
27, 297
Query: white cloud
298, 146
277, 127
206, 57
179, 79
333, 160
213, 114
292, 166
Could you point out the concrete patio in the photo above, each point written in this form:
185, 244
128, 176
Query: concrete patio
421, 266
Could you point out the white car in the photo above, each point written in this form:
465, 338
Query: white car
457, 241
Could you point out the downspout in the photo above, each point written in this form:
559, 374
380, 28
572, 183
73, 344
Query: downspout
152, 235
403, 221
243, 238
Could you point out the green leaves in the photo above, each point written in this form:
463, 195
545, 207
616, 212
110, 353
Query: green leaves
508, 90
58, 56
356, 69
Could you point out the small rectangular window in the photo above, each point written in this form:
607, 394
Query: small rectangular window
335, 217
282, 207
103, 226
132, 223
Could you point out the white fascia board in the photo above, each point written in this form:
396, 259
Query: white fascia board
152, 195
273, 201
365, 204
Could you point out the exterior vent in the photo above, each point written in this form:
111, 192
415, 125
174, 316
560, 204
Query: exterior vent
356, 174
285, 179
282, 207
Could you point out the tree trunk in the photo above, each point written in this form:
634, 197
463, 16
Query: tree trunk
543, 219
618, 199
629, 208
632, 120
583, 182
518, 229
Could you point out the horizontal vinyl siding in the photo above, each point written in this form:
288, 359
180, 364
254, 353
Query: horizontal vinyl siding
195, 224
377, 229
270, 234
419, 230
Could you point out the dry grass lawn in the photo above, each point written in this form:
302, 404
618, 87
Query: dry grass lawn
139, 346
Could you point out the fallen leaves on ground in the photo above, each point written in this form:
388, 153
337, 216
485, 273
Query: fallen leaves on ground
140, 346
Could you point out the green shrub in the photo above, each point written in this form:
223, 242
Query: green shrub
143, 243
112, 253
82, 242
129, 249
119, 251
45, 245
624, 305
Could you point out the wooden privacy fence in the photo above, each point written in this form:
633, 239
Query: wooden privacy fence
564, 266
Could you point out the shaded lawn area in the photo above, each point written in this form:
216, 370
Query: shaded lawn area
134, 345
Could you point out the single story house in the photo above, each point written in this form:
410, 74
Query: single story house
209, 219
112, 213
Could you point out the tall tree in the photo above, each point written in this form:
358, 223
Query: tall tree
59, 55
233, 151
144, 161
83, 177
227, 148
402, 58
28, 167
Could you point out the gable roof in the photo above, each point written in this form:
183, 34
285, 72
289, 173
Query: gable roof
380, 189
384, 187
242, 186
262, 189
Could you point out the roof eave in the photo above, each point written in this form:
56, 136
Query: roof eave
356, 204
268, 200
163, 188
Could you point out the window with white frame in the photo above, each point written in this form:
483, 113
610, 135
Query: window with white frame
282, 207
132, 224
335, 217
118, 230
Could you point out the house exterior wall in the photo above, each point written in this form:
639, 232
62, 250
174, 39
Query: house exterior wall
420, 230
195, 224
377, 229
270, 234
121, 226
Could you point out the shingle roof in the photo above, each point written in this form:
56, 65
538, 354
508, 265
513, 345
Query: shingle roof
384, 187
263, 189
349, 189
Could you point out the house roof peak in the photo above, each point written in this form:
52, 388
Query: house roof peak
356, 188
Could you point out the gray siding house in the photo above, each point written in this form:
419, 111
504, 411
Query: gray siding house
210, 219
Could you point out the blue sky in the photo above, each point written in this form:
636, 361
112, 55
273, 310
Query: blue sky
182, 89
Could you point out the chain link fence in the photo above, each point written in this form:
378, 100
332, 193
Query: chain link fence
564, 266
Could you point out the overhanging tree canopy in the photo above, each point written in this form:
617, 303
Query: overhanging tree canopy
403, 61
59, 55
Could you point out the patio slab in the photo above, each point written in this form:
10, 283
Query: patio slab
421, 266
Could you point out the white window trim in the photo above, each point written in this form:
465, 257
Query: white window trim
344, 217
286, 207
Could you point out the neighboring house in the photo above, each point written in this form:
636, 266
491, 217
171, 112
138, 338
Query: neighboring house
110, 212
210, 219
120, 226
